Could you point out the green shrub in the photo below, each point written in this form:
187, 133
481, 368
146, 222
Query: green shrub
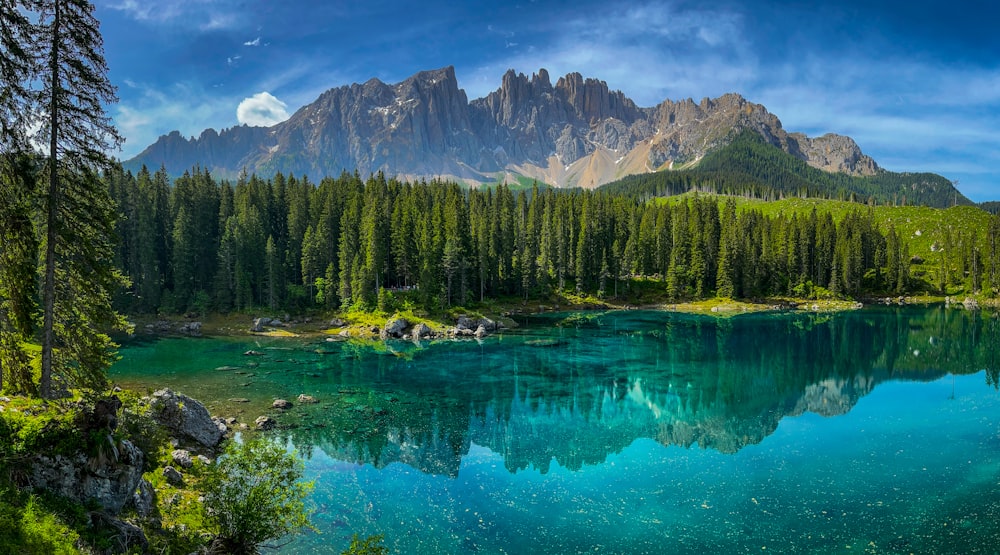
253, 494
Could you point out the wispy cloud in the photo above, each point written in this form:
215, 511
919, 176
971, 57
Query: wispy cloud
204, 15
254, 42
261, 110
184, 107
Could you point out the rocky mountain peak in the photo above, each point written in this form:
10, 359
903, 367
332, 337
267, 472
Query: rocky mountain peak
577, 132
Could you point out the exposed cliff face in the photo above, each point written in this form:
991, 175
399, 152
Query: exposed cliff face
576, 132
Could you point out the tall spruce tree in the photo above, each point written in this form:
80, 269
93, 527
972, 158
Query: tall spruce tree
78, 214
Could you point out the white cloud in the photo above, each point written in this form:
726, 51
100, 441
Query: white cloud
261, 110
254, 42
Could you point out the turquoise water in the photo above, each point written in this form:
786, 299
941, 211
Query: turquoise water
875, 431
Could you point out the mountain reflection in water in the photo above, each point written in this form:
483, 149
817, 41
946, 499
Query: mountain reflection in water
570, 388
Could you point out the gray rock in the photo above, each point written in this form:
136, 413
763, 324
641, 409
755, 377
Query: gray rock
204, 460
173, 476
265, 423
192, 328
282, 404
221, 424
481, 332
489, 325
185, 417
465, 323
307, 399
182, 458
108, 479
337, 323
143, 498
394, 328
421, 331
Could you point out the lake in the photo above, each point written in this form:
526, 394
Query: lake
870, 431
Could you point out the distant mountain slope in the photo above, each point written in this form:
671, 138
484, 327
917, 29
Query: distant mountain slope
991, 206
576, 132
751, 166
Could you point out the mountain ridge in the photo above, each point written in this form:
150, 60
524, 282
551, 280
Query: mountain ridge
576, 132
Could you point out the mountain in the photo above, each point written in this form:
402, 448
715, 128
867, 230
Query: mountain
749, 165
576, 132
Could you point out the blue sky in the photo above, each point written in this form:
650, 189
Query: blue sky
916, 84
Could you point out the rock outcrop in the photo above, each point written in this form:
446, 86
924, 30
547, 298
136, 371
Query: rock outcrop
394, 328
185, 418
421, 331
109, 479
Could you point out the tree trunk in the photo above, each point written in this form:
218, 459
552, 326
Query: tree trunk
52, 205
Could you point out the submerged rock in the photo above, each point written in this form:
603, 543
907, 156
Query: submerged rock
265, 423
307, 399
282, 404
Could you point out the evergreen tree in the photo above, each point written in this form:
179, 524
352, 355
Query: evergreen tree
18, 245
78, 216
18, 256
993, 254
725, 281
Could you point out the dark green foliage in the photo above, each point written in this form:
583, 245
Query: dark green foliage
18, 269
749, 166
353, 243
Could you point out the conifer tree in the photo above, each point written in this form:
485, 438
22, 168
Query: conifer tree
78, 219
725, 281
18, 245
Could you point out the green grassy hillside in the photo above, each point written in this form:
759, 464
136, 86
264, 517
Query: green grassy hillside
749, 166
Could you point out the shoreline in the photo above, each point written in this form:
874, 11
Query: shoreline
367, 325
